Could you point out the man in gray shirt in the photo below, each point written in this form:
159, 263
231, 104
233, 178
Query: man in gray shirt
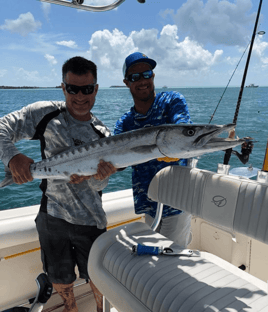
71, 216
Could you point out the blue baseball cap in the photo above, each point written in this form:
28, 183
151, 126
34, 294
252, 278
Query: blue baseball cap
137, 57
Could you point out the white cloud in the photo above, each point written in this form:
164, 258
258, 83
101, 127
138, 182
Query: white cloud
259, 49
70, 44
24, 75
46, 9
109, 49
3, 72
215, 21
23, 25
51, 59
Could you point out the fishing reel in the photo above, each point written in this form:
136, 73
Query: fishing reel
246, 150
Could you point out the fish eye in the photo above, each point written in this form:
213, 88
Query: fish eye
189, 132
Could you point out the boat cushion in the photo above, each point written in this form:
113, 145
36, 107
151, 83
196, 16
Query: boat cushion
202, 282
234, 203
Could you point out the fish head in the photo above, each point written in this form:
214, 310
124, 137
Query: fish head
192, 140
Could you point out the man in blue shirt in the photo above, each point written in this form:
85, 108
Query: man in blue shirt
151, 109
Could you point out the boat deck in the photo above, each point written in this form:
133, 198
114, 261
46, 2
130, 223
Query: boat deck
84, 299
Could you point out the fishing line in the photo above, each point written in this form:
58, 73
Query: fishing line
212, 116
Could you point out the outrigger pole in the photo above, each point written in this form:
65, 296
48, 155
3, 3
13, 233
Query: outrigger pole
228, 152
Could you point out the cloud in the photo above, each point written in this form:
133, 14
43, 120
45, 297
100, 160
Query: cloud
70, 44
24, 75
259, 50
46, 9
23, 25
109, 49
51, 59
215, 21
3, 72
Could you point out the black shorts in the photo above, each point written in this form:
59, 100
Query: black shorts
63, 246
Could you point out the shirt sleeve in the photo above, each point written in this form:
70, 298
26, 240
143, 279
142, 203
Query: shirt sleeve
178, 111
20, 125
14, 127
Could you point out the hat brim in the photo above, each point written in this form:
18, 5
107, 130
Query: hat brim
151, 62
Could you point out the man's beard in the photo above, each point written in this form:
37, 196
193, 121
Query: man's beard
144, 99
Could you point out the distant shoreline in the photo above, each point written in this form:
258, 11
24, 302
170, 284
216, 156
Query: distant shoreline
25, 87
115, 87
118, 86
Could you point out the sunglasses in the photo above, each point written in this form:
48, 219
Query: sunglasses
135, 77
72, 89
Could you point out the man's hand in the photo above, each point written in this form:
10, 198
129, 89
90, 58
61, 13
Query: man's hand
19, 166
231, 134
105, 169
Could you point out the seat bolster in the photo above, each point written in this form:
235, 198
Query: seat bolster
118, 296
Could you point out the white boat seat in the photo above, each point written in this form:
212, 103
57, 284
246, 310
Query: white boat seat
233, 203
200, 283
203, 282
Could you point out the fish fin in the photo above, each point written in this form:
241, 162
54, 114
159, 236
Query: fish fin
8, 180
144, 149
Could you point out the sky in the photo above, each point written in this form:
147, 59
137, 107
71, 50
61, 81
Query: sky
196, 43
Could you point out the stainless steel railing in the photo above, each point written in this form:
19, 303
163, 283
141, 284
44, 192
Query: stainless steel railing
78, 4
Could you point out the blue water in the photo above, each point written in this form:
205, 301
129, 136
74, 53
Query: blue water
112, 103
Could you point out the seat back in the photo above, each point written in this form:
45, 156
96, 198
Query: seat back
236, 204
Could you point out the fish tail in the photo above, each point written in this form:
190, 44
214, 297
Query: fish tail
8, 180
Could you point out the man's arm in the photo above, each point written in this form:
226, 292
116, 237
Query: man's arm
20, 125
14, 127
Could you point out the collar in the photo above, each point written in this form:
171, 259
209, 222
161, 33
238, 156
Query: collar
141, 116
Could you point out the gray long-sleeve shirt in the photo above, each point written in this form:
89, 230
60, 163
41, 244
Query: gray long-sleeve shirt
74, 203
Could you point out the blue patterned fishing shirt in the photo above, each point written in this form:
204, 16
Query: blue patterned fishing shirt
168, 108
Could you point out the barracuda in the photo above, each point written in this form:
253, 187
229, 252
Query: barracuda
132, 148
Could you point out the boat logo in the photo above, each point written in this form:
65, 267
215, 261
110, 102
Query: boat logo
219, 201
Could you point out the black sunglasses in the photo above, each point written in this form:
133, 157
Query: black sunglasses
135, 77
72, 89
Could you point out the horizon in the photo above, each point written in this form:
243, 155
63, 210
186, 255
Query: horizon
118, 87
195, 43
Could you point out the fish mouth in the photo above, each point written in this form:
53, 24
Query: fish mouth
211, 137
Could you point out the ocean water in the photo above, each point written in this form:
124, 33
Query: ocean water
111, 103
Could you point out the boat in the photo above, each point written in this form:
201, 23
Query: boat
20, 258
217, 248
252, 85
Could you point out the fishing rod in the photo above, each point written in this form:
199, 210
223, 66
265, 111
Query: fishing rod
247, 145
